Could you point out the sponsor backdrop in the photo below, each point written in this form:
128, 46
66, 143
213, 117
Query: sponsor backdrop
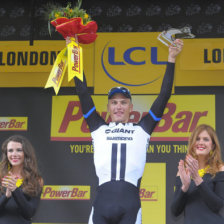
56, 128
65, 153
116, 59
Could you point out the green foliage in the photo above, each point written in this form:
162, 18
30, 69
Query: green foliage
56, 11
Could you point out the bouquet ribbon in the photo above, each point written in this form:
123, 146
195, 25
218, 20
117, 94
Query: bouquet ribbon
72, 56
75, 61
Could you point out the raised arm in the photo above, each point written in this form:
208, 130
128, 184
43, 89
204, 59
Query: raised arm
88, 108
156, 111
87, 104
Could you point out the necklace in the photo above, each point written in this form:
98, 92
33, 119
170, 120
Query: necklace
19, 182
202, 172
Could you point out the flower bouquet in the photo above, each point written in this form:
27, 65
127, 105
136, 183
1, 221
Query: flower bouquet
75, 24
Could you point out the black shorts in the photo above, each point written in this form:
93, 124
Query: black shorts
117, 202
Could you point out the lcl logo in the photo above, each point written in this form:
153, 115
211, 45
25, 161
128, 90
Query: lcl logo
128, 60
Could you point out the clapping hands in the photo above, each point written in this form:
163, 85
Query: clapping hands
193, 167
184, 176
189, 170
9, 182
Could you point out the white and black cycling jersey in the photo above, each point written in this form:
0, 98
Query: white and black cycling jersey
120, 149
120, 152
120, 156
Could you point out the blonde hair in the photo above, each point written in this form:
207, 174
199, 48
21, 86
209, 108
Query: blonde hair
214, 160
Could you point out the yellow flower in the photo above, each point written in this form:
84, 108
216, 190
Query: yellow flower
86, 16
70, 10
56, 15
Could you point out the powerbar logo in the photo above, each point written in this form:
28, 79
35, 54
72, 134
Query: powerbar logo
177, 122
68, 192
13, 123
148, 193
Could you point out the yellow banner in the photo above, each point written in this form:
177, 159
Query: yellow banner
13, 123
19, 56
22, 65
65, 192
153, 193
208, 54
134, 60
75, 60
201, 63
57, 72
179, 119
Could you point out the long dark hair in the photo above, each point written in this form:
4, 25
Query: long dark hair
32, 181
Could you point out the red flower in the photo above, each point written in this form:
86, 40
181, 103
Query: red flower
69, 27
